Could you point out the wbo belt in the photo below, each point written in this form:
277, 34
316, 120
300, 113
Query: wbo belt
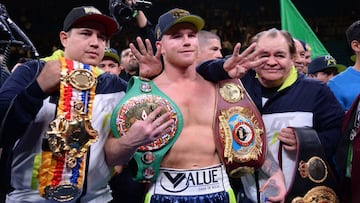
313, 180
141, 99
239, 129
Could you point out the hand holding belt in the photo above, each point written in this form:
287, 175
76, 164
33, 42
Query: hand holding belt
240, 134
141, 99
66, 144
313, 180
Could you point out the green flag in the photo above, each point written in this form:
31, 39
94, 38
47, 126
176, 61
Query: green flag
293, 22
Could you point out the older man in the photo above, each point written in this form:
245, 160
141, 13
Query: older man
286, 99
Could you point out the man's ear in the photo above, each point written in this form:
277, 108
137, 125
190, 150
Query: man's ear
158, 46
63, 38
355, 45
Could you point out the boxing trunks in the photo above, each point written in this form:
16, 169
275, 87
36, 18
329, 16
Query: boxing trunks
239, 129
312, 180
210, 184
141, 99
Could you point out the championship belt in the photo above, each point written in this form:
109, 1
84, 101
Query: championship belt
66, 145
313, 180
239, 128
141, 99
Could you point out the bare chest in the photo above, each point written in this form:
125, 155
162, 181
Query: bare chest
196, 103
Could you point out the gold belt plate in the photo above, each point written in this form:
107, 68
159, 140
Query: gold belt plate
80, 79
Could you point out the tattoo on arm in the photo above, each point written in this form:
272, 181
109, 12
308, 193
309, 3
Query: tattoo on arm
270, 166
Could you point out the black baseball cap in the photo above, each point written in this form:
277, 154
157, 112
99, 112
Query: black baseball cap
175, 16
323, 62
112, 54
89, 13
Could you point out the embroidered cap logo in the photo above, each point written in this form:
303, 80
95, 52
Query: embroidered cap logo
178, 13
330, 60
90, 10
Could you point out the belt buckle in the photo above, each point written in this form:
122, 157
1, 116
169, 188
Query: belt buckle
80, 79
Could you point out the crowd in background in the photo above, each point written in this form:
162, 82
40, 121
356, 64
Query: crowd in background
233, 21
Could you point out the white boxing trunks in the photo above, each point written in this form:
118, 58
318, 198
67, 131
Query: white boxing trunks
196, 185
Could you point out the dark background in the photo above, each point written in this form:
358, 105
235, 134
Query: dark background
234, 20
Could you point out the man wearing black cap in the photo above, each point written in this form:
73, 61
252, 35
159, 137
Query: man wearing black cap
111, 62
190, 170
324, 68
57, 111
